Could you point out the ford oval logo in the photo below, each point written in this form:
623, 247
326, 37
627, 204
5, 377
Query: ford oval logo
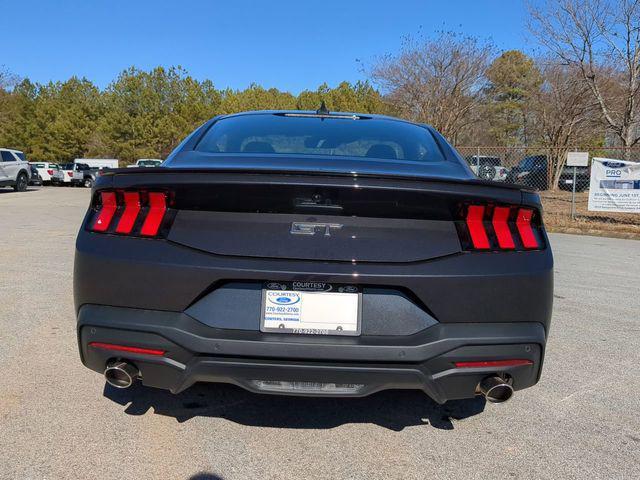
284, 298
614, 164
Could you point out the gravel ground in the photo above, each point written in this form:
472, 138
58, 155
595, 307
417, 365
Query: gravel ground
57, 419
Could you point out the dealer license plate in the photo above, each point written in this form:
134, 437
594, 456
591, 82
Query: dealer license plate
311, 308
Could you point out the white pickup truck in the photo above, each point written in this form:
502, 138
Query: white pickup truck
146, 162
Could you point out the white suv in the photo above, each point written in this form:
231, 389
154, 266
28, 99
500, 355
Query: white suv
488, 168
14, 170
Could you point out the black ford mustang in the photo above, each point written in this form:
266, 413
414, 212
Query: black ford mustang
314, 253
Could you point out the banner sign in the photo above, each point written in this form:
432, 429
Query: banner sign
615, 186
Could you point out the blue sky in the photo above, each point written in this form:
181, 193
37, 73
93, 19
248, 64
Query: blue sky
291, 45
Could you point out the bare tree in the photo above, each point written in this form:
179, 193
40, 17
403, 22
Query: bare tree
601, 38
564, 109
7, 79
436, 81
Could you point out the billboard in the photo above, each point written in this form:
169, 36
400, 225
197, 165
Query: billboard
615, 186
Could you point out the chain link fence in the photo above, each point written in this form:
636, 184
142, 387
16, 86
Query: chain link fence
545, 170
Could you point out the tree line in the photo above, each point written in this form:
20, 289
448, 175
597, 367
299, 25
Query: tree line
142, 114
581, 89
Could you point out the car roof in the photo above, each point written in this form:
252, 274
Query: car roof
316, 113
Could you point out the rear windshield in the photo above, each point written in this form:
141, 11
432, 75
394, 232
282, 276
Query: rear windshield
39, 165
279, 134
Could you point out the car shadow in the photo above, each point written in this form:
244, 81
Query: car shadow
205, 476
393, 409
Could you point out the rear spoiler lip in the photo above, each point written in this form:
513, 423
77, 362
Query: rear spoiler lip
267, 171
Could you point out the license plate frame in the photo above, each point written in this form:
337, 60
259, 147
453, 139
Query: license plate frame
313, 291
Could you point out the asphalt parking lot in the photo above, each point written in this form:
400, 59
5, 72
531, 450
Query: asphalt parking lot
57, 419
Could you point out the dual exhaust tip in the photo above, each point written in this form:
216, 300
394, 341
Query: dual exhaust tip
495, 389
121, 374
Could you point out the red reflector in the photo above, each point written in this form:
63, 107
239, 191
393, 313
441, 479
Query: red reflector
523, 222
122, 348
131, 210
157, 208
500, 226
106, 212
493, 363
476, 228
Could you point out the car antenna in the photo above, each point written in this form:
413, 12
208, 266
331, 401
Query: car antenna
323, 110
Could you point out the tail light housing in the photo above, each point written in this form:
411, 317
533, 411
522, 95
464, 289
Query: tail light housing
70, 174
138, 213
50, 172
493, 228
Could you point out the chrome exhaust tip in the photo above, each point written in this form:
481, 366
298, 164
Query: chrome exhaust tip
121, 374
495, 389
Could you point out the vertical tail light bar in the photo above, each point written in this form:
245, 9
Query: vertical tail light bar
497, 228
501, 227
475, 224
137, 213
157, 209
523, 222
130, 214
106, 212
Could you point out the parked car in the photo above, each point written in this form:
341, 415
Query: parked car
99, 162
63, 175
146, 162
314, 253
533, 172
14, 169
35, 179
488, 168
84, 175
45, 170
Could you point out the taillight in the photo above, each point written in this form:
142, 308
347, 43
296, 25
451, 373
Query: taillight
475, 224
136, 213
500, 227
500, 222
157, 209
108, 207
70, 174
130, 213
50, 172
524, 228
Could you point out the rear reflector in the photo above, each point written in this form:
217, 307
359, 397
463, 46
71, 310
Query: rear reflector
131, 210
475, 215
123, 348
494, 363
107, 210
157, 209
523, 222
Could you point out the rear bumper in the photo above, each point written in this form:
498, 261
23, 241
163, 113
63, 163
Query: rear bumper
250, 359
